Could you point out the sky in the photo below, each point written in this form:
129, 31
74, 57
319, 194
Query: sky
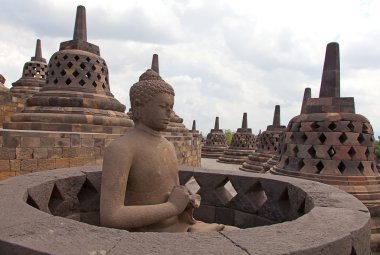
223, 58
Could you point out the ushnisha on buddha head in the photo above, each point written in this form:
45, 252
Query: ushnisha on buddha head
152, 101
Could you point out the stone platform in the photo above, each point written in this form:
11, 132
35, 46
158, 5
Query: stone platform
303, 217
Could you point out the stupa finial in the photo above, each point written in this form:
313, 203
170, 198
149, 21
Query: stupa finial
80, 29
330, 84
276, 116
244, 123
155, 66
194, 127
306, 96
38, 54
216, 126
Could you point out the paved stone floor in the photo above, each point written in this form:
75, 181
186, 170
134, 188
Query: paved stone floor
209, 163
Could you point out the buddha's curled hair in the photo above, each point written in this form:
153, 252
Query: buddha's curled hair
150, 84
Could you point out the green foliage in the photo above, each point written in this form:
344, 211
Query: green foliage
377, 148
229, 134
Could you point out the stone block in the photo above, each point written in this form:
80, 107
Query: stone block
7, 153
62, 162
5, 165
28, 165
11, 141
75, 141
40, 153
70, 152
54, 152
225, 216
45, 164
24, 153
62, 142
87, 142
48, 142
15, 165
76, 162
30, 142
205, 213
7, 174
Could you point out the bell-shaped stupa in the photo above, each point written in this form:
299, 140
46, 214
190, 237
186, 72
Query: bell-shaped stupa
268, 143
76, 96
243, 143
33, 75
215, 143
328, 142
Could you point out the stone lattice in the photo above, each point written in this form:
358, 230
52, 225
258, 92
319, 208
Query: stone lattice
268, 143
215, 142
76, 96
330, 143
33, 75
243, 143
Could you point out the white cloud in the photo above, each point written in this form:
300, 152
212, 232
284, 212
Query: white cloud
222, 57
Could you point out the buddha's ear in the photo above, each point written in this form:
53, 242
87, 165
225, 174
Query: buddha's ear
137, 103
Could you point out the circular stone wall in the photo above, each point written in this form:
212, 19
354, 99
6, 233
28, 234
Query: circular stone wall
40, 214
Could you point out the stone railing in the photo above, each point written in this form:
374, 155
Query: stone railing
47, 212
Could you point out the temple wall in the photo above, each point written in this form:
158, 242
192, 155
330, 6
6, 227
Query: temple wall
23, 152
9, 105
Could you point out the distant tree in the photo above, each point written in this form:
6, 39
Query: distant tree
377, 148
229, 134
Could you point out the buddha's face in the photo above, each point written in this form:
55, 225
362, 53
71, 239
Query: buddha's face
156, 112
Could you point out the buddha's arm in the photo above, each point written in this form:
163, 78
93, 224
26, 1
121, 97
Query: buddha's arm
113, 212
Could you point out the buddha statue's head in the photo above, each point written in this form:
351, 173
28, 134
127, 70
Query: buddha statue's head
152, 101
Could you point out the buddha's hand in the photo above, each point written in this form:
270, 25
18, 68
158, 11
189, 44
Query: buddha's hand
179, 197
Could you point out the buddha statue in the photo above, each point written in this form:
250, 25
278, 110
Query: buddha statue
140, 188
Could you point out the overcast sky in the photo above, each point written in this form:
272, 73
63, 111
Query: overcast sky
223, 58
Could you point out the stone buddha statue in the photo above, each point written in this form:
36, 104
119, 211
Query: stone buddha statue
140, 183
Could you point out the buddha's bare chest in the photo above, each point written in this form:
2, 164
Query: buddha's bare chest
155, 169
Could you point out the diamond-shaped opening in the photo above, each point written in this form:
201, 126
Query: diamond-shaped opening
295, 150
76, 57
192, 185
361, 138
69, 64
341, 167
102, 69
361, 167
301, 209
97, 61
86, 193
99, 77
351, 126
286, 162
55, 58
367, 153
88, 59
312, 152
104, 87
106, 79
63, 72
256, 195
55, 81
322, 138
352, 152
314, 126
30, 201
300, 164
58, 64
55, 200
353, 251
319, 166
331, 152
75, 73
68, 81
88, 75
332, 126
83, 65
365, 128
304, 137
93, 67
343, 137
65, 57
291, 137
230, 188
82, 82
94, 84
